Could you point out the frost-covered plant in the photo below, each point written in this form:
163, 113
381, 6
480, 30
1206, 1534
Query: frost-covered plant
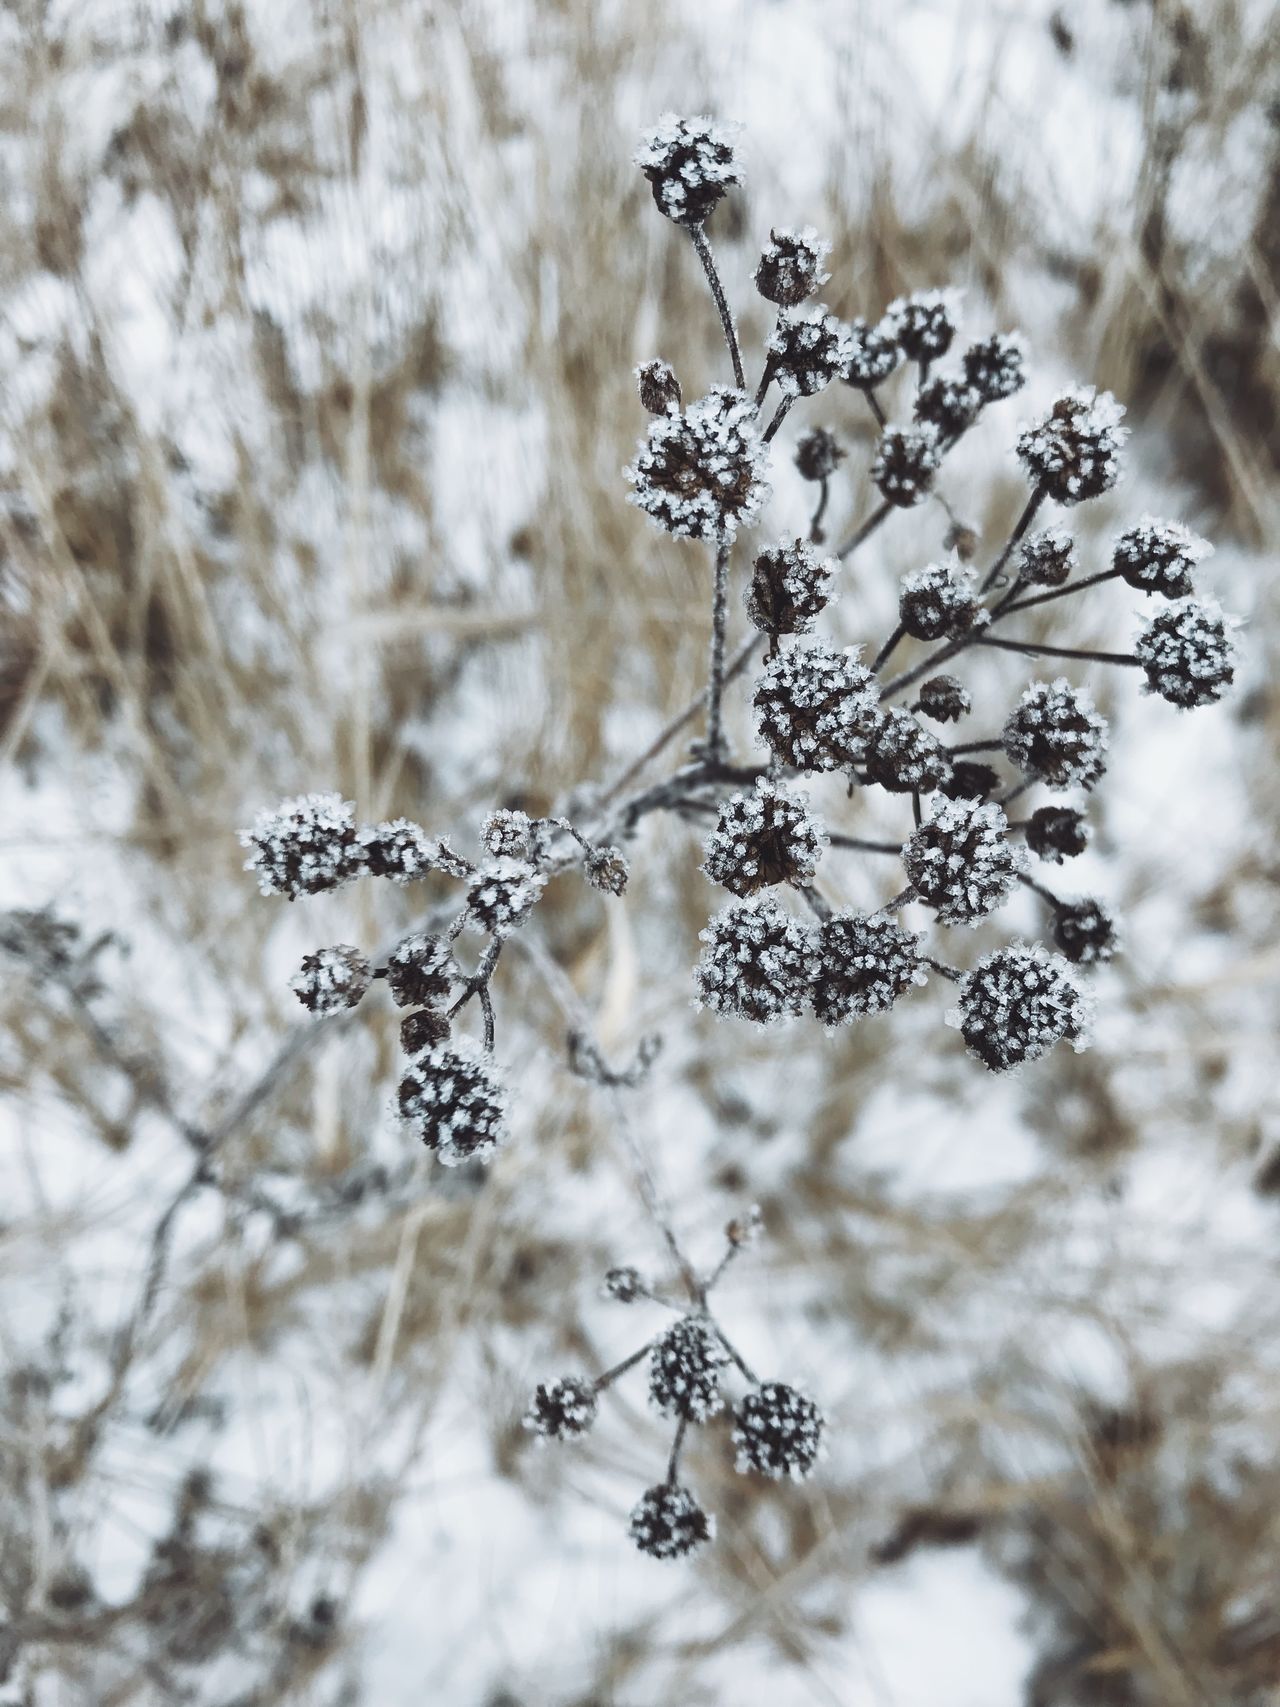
782, 950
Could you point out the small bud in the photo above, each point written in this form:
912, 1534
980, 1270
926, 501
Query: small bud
1085, 932
944, 699
606, 869
817, 455
667, 1522
924, 323
790, 268
624, 1285
1047, 559
906, 460
745, 1229
506, 834
332, 979
1073, 452
1187, 654
562, 1410
422, 1030
658, 386
421, 971
1055, 833
689, 163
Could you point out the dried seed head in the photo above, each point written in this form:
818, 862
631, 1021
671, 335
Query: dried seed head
658, 387
507, 834
790, 268
951, 405
995, 366
563, 1409
777, 1432
961, 863
1055, 735
421, 971
624, 1285
745, 1229
969, 781
757, 964
1074, 450
814, 706
924, 323
1017, 1003
873, 354
1047, 558
684, 1371
1055, 833
1159, 557
667, 1522
940, 601
789, 588
763, 837
1187, 654
689, 163
606, 869
304, 846
422, 1030
808, 349
864, 965
502, 894
701, 475
944, 699
398, 849
906, 460
817, 454
1085, 932
902, 756
332, 979
455, 1103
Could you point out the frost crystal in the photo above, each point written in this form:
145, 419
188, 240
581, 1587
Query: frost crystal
304, 846
701, 475
940, 600
400, 850
961, 863
815, 705
790, 268
332, 979
456, 1104
995, 367
1047, 558
1016, 1004
1187, 654
684, 1371
807, 350
1074, 450
1158, 557
689, 163
758, 962
1085, 932
902, 756
777, 1432
864, 965
924, 323
906, 460
667, 1522
563, 1409
789, 587
873, 354
765, 837
503, 894
420, 971
1055, 735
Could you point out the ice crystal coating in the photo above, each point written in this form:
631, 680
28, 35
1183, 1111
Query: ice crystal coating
969, 780
455, 1103
902, 756
757, 964
944, 699
1055, 735
789, 588
701, 475
940, 600
818, 454
814, 705
1047, 558
1073, 452
606, 869
304, 846
624, 1285
332, 979
873, 354
924, 323
777, 1432
689, 163
658, 387
563, 1409
684, 1371
398, 849
950, 404
763, 837
507, 834
1159, 557
961, 863
502, 894
422, 1030
906, 460
790, 268
809, 348
1187, 654
1055, 833
667, 1522
421, 971
996, 366
864, 964
1017, 1003
1085, 932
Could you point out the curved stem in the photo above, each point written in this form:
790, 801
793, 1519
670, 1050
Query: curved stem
703, 248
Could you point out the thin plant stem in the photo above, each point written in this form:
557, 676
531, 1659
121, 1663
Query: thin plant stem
885, 652
1020, 527
673, 1462
862, 534
873, 403
951, 972
735, 1354
715, 680
816, 535
860, 846
620, 1369
1037, 648
703, 248
1039, 889
780, 415
1060, 592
